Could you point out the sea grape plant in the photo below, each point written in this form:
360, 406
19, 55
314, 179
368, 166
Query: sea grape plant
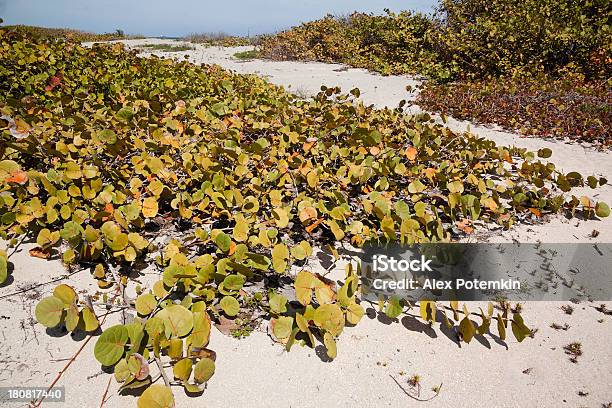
227, 184
462, 39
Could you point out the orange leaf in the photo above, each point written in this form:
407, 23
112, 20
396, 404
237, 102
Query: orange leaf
374, 150
17, 176
411, 153
38, 252
504, 217
308, 213
314, 225
308, 145
232, 248
536, 212
464, 225
490, 203
430, 173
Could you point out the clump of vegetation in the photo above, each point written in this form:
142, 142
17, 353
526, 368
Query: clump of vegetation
219, 39
568, 309
540, 67
165, 47
247, 55
390, 44
566, 108
224, 182
574, 350
464, 39
414, 390
602, 308
67, 34
557, 326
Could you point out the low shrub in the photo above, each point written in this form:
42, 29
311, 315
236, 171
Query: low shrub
219, 39
567, 108
165, 47
67, 34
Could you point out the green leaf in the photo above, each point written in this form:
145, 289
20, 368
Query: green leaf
156, 396
280, 253
145, 304
3, 269
467, 329
330, 344
301, 251
182, 369
602, 209
330, 318
178, 320
416, 187
203, 370
223, 241
354, 313
65, 293
49, 311
122, 371
110, 346
394, 308
230, 306
201, 329
125, 113
282, 326
108, 136
519, 329
234, 282
501, 327
90, 320
71, 230
278, 303
544, 153
72, 317
219, 108
241, 231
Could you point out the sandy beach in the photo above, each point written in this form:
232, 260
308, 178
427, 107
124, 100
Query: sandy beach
377, 352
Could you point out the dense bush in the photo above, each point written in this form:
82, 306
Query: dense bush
477, 38
465, 39
561, 108
66, 33
224, 182
390, 44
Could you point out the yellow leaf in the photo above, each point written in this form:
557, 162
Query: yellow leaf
150, 207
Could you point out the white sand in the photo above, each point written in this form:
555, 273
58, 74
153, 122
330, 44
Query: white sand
255, 372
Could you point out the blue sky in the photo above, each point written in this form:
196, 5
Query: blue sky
179, 17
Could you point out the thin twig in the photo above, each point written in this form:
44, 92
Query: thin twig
16, 247
36, 403
412, 396
42, 284
106, 392
117, 278
162, 371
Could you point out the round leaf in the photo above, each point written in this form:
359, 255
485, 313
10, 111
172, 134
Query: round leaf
110, 346
178, 320
156, 396
203, 370
230, 306
49, 311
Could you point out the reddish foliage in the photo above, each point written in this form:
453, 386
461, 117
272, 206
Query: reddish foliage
562, 108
